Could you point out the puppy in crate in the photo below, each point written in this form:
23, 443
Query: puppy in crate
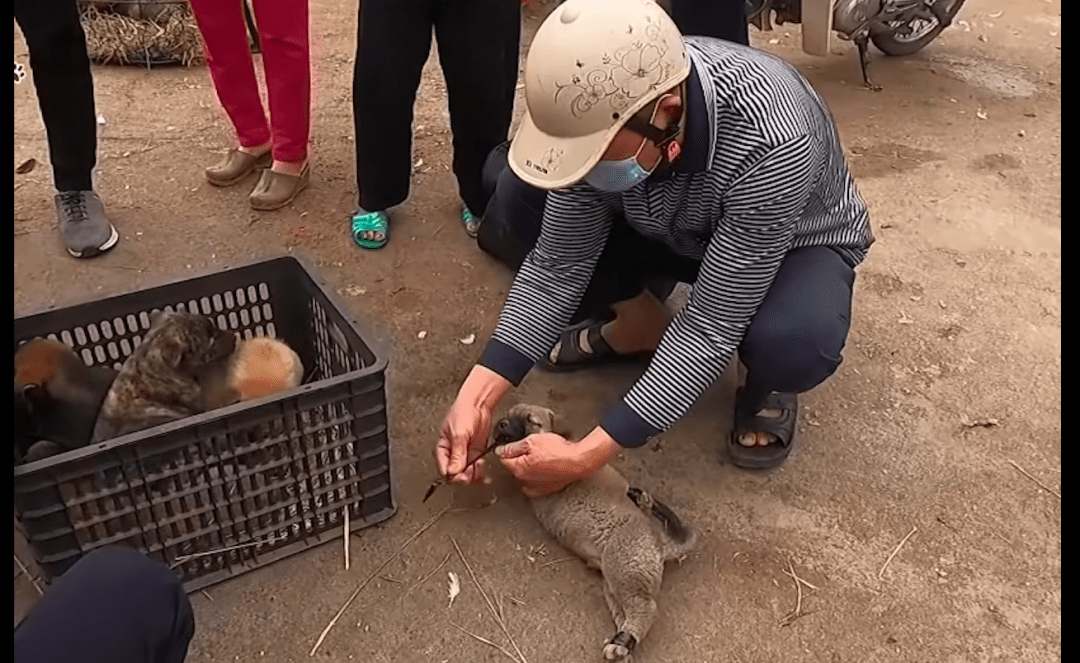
617, 529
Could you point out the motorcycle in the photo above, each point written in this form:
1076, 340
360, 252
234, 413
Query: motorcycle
896, 27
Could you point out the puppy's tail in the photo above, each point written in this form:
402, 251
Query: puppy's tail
679, 537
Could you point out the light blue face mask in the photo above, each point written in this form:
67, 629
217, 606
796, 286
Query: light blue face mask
623, 174
618, 176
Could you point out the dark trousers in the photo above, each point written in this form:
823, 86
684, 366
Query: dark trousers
795, 340
65, 89
115, 605
722, 19
478, 42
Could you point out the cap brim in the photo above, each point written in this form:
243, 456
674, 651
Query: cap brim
551, 162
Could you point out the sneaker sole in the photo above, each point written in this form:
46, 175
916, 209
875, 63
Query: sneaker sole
111, 242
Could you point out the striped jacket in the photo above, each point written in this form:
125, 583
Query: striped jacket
763, 172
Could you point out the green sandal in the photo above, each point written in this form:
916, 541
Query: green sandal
470, 221
371, 222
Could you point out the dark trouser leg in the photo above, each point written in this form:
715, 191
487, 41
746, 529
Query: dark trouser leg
113, 606
65, 88
394, 44
795, 340
629, 264
723, 19
478, 43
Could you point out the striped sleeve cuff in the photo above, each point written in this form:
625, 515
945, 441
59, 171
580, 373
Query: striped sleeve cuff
627, 427
506, 361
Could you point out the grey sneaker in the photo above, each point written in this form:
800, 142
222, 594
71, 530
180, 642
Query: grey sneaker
83, 225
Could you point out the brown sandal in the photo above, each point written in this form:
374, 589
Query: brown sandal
234, 167
276, 190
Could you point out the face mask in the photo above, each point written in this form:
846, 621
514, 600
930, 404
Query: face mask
618, 176
624, 174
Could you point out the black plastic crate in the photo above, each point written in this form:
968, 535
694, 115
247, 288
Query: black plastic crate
225, 492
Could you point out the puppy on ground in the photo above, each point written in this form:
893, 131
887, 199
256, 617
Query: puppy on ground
160, 381
57, 398
615, 528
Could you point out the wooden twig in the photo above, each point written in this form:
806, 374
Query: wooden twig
428, 576
798, 579
346, 537
485, 641
881, 573
557, 561
1040, 483
207, 595
376, 572
33, 580
797, 612
183, 558
491, 606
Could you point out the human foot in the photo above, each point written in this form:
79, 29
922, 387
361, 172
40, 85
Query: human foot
237, 164
370, 230
765, 439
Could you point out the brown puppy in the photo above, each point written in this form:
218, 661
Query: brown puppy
259, 367
159, 382
615, 528
57, 396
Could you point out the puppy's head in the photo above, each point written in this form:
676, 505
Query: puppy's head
524, 420
187, 343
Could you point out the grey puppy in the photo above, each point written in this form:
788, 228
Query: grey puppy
160, 381
614, 527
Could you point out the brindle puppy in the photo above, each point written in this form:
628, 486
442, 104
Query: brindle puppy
159, 382
615, 528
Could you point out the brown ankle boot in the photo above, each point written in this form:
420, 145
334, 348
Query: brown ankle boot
234, 167
276, 190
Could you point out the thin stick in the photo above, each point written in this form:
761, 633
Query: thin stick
798, 579
428, 576
881, 573
207, 595
33, 580
557, 561
346, 537
183, 558
334, 621
1041, 484
797, 612
485, 641
491, 606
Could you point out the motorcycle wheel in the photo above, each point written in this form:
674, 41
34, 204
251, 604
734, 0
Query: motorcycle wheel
907, 37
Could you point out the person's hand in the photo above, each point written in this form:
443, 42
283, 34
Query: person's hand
464, 434
546, 463
462, 438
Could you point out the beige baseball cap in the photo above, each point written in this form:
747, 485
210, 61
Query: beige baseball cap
592, 65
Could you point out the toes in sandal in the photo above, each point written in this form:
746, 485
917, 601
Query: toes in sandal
366, 223
470, 221
573, 357
782, 427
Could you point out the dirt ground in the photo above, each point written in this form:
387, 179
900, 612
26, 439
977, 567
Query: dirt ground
952, 370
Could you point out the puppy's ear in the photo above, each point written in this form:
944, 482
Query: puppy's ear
157, 317
560, 427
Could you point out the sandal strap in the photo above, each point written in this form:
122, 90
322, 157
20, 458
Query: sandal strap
370, 222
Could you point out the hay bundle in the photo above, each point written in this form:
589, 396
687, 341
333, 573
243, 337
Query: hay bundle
141, 33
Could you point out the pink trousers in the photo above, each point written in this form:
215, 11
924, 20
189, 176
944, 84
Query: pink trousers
283, 37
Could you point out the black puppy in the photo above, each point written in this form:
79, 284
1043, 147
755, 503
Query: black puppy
57, 397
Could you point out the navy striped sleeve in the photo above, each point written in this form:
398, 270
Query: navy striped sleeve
761, 212
551, 282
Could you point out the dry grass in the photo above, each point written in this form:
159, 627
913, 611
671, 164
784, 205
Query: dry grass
117, 39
